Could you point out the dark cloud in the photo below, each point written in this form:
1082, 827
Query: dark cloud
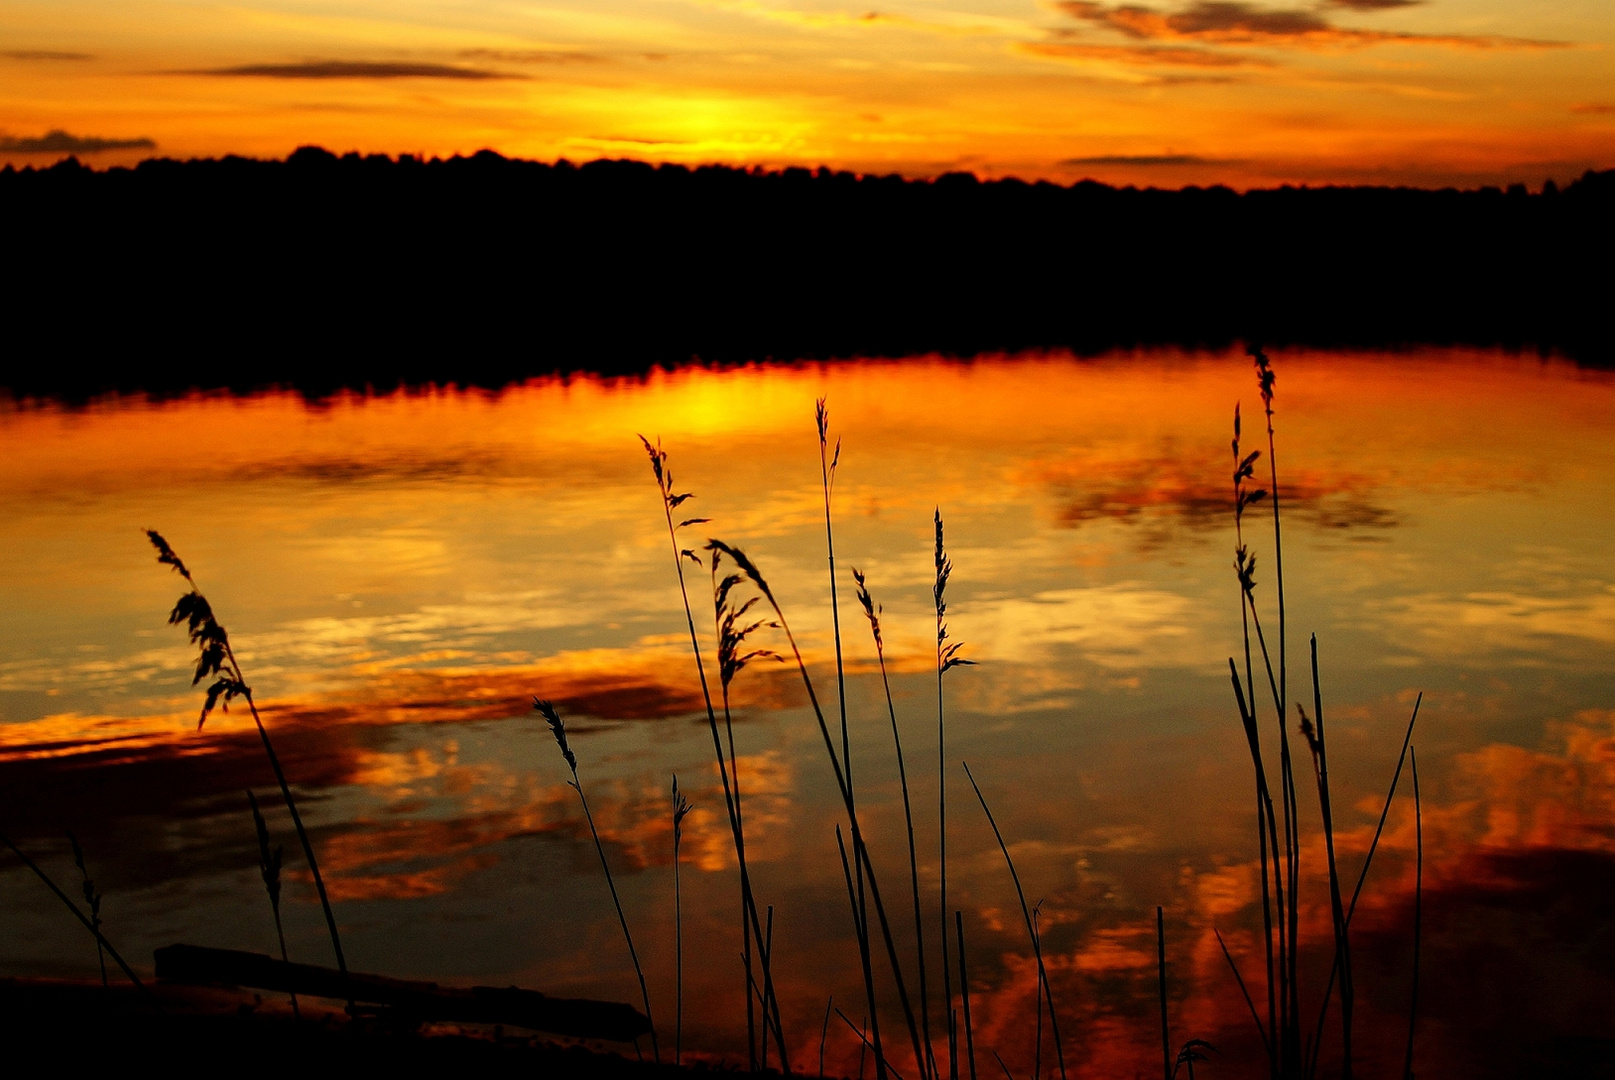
354, 69
1140, 55
43, 54
533, 56
58, 141
1143, 159
1236, 22
1593, 107
1372, 5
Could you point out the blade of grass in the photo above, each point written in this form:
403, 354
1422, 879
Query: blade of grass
1031, 931
964, 989
1160, 981
1418, 912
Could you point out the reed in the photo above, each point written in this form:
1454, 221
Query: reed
1031, 931
964, 989
92, 926
92, 900
671, 500
1319, 746
269, 870
1418, 913
720, 549
558, 729
217, 660
681, 810
824, 1031
947, 658
872, 612
1244, 992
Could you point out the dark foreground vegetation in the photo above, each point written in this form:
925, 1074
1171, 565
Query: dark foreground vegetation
323, 272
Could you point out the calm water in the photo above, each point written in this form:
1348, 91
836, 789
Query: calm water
400, 575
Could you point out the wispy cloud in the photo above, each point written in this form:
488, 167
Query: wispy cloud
1140, 55
534, 56
1238, 23
58, 141
355, 69
1594, 107
1147, 160
43, 54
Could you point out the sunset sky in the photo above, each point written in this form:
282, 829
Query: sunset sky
1163, 92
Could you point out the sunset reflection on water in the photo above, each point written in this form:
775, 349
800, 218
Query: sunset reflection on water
401, 574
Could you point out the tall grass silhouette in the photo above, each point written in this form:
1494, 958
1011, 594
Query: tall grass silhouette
872, 612
269, 870
1026, 914
947, 658
671, 500
558, 729
217, 659
92, 900
681, 810
93, 926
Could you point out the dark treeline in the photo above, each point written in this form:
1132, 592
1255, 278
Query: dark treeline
322, 271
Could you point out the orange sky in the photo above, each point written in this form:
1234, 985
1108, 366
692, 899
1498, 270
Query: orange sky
1166, 92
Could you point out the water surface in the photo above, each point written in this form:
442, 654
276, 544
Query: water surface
401, 574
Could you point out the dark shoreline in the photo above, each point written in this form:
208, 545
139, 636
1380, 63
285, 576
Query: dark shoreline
323, 273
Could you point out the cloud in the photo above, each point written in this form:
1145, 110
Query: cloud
1146, 160
57, 141
43, 54
1593, 107
354, 69
1235, 22
533, 56
1372, 5
1142, 55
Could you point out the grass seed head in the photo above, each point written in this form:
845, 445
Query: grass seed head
872, 610
558, 729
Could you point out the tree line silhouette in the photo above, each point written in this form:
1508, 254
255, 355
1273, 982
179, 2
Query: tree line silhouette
322, 271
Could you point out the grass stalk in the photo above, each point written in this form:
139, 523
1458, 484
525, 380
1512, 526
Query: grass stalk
872, 612
93, 900
964, 990
672, 500
681, 810
269, 869
1418, 913
824, 1032
217, 659
1026, 913
867, 967
1244, 992
1320, 759
947, 658
95, 930
860, 851
558, 729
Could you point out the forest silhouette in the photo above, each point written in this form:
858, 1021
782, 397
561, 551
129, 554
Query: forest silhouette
323, 271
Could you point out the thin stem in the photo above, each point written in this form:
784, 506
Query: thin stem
964, 989
1026, 913
748, 903
1418, 913
1240, 979
1337, 909
644, 994
100, 939
863, 956
824, 1032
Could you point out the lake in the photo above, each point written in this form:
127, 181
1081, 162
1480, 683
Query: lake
401, 574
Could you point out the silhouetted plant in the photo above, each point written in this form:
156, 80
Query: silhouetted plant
217, 660
269, 870
1031, 930
964, 989
671, 500
92, 927
872, 612
947, 658
1318, 744
1418, 912
1191, 1053
558, 729
92, 899
719, 549
681, 810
